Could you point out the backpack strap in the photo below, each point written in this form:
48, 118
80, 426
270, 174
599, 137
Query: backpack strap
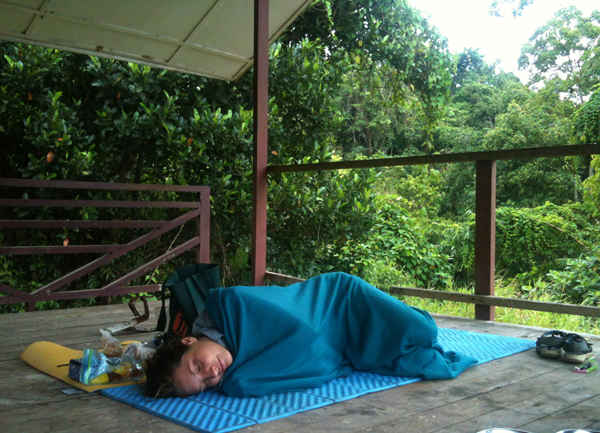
161, 325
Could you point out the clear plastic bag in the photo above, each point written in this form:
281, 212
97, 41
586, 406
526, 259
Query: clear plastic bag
139, 351
111, 346
98, 369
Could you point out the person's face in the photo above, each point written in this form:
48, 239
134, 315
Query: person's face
202, 366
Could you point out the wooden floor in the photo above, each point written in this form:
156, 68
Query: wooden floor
522, 391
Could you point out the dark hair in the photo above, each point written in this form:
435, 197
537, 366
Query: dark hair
160, 369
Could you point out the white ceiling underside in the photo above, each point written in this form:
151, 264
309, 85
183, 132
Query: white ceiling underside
213, 38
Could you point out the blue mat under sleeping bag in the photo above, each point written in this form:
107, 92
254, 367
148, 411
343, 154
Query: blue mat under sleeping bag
214, 412
301, 336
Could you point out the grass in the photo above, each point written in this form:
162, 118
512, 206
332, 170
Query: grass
540, 319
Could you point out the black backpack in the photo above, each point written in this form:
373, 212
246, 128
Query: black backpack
189, 287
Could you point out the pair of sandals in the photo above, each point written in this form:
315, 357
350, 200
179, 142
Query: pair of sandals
572, 347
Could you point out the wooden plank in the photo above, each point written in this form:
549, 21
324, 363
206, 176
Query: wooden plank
582, 415
76, 329
12, 291
495, 155
29, 320
501, 377
522, 304
78, 326
75, 294
94, 413
33, 183
534, 410
14, 202
495, 407
49, 224
27, 386
281, 278
59, 249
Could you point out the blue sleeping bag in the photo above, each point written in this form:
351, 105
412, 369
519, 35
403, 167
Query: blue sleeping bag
301, 336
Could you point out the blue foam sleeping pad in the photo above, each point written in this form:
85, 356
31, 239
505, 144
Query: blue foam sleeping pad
301, 336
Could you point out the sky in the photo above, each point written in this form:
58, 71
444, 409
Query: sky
468, 24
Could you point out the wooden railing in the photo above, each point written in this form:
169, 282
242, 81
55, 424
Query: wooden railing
469, 298
200, 211
485, 222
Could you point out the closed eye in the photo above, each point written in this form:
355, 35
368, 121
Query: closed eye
197, 371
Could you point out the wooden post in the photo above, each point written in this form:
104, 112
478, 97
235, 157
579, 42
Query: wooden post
261, 101
485, 235
203, 226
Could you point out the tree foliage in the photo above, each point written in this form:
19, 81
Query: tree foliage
586, 124
565, 52
71, 117
532, 182
389, 33
499, 8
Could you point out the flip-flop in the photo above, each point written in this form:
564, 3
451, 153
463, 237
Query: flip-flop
576, 348
550, 344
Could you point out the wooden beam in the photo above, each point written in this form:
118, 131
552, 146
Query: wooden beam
203, 229
469, 298
35, 183
282, 278
34, 202
97, 224
58, 249
125, 279
261, 111
485, 235
495, 155
79, 294
86, 269
521, 304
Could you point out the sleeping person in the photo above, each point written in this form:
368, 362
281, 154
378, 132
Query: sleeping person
255, 341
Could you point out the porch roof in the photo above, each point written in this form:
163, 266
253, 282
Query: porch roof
212, 38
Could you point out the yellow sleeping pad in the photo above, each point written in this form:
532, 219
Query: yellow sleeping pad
53, 359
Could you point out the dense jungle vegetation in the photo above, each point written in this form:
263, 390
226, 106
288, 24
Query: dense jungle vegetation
349, 80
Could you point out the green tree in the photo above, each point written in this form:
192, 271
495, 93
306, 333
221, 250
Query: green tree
564, 52
106, 121
375, 121
482, 94
586, 128
529, 241
499, 8
391, 33
528, 183
586, 125
470, 66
